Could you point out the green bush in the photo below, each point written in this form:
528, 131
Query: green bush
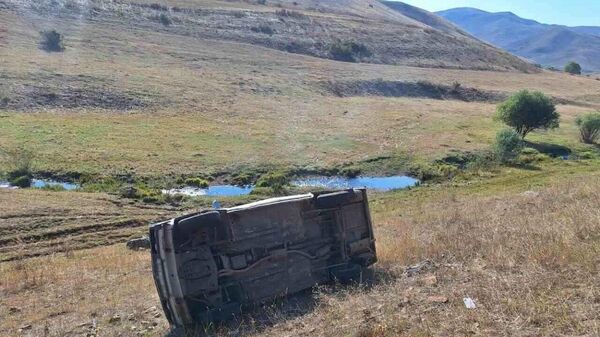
508, 145
348, 51
19, 163
144, 193
527, 111
573, 68
165, 19
53, 187
196, 182
275, 180
350, 172
435, 171
22, 181
52, 41
104, 184
589, 127
242, 179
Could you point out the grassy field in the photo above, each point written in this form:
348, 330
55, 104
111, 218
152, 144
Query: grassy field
132, 98
525, 251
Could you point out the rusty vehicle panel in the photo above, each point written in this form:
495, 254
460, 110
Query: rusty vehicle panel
207, 266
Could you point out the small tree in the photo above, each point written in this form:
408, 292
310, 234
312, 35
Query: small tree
52, 41
573, 68
589, 127
527, 111
508, 145
165, 19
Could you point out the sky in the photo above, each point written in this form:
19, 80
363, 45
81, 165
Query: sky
562, 12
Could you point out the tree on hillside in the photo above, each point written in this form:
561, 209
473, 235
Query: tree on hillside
573, 68
527, 111
589, 127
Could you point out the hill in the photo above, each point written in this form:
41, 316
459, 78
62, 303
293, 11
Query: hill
424, 16
325, 29
549, 45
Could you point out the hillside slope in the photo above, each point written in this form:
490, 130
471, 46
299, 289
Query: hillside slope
313, 28
423, 16
550, 45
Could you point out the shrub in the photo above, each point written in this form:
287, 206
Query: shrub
165, 19
508, 145
103, 184
589, 127
350, 172
19, 163
144, 193
54, 188
196, 182
275, 180
242, 179
348, 51
264, 29
22, 181
573, 68
289, 14
432, 171
52, 41
526, 111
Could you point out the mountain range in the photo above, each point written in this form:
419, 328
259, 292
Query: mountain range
545, 44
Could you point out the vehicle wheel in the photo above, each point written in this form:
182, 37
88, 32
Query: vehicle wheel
332, 200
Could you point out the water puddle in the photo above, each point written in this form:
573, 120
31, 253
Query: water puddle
6, 184
373, 183
41, 183
220, 190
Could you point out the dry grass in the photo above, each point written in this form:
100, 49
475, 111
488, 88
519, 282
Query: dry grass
528, 259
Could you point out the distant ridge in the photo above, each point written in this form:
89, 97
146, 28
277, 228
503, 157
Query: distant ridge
549, 45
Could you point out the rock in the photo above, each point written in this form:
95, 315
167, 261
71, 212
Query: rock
419, 267
530, 194
114, 319
14, 310
430, 280
25, 327
151, 309
157, 315
140, 243
437, 299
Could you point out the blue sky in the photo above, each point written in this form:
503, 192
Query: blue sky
564, 12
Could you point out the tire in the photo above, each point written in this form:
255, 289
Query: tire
331, 200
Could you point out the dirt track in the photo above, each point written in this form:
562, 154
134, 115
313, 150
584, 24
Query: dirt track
30, 229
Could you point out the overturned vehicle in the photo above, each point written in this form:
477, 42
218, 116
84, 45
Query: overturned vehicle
209, 265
